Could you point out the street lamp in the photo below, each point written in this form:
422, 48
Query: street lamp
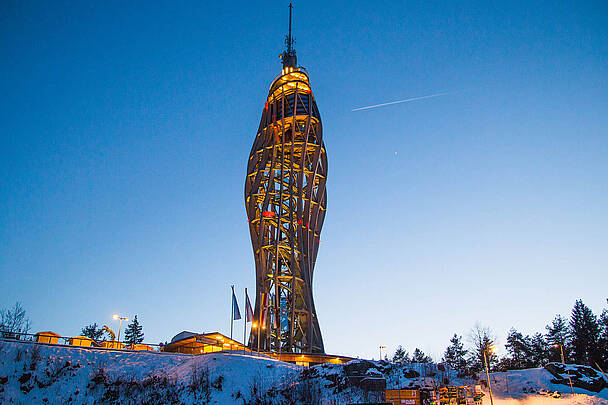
561, 348
485, 358
120, 319
255, 325
381, 347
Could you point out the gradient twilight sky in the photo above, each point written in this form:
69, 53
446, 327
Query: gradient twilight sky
125, 129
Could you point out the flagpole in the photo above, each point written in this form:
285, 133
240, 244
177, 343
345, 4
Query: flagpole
232, 312
245, 323
260, 322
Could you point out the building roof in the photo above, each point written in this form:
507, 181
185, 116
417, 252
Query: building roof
182, 335
48, 333
213, 338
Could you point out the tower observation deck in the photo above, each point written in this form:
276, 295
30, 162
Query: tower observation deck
286, 201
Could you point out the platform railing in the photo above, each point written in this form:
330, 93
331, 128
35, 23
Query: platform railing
48, 339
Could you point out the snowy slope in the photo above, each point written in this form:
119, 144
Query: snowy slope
48, 374
534, 386
32, 373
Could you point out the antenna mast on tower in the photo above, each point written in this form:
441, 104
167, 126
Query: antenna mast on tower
289, 56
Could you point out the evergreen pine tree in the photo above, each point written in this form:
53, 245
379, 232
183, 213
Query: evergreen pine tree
584, 334
603, 340
455, 354
540, 350
92, 331
519, 348
400, 356
557, 335
133, 333
420, 357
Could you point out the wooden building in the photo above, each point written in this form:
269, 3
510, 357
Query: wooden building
201, 343
112, 344
47, 337
82, 341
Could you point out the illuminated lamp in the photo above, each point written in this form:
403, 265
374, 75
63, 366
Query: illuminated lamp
268, 214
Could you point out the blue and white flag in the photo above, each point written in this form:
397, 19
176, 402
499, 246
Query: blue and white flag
236, 313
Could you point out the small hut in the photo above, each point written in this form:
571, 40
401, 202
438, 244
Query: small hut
141, 347
81, 341
47, 337
112, 344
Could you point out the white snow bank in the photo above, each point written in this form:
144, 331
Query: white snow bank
534, 386
33, 373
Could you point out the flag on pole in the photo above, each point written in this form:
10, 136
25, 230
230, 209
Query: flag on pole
248, 310
264, 309
236, 314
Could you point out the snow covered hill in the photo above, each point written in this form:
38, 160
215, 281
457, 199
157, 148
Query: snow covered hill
48, 374
535, 386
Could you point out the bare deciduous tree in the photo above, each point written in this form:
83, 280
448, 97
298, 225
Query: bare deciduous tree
482, 340
13, 322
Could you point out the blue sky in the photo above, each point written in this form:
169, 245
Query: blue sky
125, 130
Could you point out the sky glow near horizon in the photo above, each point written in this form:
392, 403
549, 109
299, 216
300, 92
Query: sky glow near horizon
125, 132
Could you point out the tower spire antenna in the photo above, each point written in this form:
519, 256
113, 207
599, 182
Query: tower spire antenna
289, 55
289, 43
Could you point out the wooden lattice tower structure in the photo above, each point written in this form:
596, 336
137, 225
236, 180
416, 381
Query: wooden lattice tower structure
286, 202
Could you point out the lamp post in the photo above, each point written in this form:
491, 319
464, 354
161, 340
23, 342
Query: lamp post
485, 358
561, 348
120, 319
381, 347
254, 326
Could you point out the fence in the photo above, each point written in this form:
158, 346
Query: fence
49, 338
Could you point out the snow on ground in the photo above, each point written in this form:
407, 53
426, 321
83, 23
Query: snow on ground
32, 373
51, 374
534, 387
581, 399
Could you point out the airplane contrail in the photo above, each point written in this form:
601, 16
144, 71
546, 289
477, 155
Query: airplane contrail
403, 101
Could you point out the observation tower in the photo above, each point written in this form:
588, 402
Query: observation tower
285, 199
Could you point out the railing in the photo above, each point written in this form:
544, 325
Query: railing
48, 339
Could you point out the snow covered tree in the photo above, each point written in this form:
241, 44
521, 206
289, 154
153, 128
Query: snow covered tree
557, 335
420, 357
13, 322
133, 333
482, 340
92, 331
400, 356
519, 348
584, 334
455, 354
